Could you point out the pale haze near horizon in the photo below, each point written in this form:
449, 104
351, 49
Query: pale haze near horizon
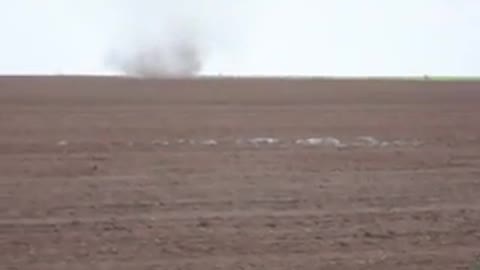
263, 37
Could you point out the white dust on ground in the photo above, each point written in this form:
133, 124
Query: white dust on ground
327, 141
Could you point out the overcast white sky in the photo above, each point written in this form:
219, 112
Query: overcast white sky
269, 37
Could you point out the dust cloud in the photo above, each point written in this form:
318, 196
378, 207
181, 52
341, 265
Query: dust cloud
179, 56
164, 39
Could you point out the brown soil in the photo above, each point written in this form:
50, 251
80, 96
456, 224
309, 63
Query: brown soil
86, 182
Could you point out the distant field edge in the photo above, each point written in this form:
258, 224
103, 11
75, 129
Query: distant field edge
259, 77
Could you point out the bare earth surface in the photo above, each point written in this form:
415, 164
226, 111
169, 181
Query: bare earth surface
238, 174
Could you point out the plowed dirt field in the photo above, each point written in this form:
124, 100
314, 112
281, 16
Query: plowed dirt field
121, 174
